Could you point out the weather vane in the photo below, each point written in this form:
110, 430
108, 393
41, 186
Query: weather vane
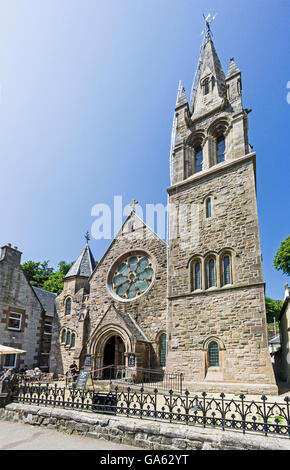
208, 21
87, 236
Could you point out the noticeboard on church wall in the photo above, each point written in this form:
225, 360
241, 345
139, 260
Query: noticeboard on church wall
88, 361
131, 360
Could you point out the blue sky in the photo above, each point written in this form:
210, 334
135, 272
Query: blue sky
87, 97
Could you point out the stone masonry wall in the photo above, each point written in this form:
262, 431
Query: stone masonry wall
144, 434
16, 295
234, 314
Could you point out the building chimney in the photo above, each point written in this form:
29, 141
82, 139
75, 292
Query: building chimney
10, 255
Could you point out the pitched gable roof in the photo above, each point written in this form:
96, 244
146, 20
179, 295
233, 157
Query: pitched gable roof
46, 299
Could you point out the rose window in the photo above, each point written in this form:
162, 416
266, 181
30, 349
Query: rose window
133, 277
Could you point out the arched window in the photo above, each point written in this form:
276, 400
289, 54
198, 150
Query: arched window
213, 354
211, 273
162, 350
226, 270
208, 208
68, 337
68, 306
73, 340
197, 283
63, 336
206, 87
198, 159
220, 149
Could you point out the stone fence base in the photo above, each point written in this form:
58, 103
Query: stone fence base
144, 434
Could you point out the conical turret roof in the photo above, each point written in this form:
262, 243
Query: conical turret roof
84, 265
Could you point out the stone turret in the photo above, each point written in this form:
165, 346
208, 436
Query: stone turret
78, 275
69, 326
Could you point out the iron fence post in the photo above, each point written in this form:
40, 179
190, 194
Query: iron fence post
186, 406
222, 395
242, 397
265, 418
203, 409
155, 403
287, 400
128, 402
170, 405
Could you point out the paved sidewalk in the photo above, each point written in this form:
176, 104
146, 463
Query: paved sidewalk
17, 436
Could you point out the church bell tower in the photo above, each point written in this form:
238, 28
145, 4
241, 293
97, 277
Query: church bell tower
217, 333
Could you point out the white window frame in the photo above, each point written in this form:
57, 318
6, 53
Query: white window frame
14, 365
14, 318
48, 324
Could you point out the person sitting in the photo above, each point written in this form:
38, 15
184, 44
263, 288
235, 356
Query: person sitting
36, 373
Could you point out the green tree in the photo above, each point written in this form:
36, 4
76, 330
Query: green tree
273, 308
55, 281
37, 273
42, 276
282, 257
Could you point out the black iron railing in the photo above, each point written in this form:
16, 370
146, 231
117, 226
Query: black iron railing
147, 378
263, 416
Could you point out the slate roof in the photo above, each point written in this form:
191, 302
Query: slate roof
84, 265
46, 299
133, 327
275, 340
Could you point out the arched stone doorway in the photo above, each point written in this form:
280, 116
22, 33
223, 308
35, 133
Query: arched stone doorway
114, 355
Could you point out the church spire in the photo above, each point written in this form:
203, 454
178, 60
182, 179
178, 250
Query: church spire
211, 86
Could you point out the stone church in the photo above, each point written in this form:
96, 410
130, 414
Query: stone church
195, 306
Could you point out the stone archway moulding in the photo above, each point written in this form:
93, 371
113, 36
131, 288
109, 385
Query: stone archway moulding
100, 338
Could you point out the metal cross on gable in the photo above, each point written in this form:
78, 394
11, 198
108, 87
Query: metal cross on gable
87, 236
133, 204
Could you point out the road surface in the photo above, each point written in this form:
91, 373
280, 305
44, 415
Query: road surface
18, 436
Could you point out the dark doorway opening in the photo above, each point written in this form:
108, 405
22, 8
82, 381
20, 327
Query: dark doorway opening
114, 355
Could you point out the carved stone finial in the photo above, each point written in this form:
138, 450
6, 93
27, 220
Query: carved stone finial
133, 204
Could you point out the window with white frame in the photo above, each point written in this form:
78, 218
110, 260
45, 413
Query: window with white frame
47, 328
10, 360
14, 321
